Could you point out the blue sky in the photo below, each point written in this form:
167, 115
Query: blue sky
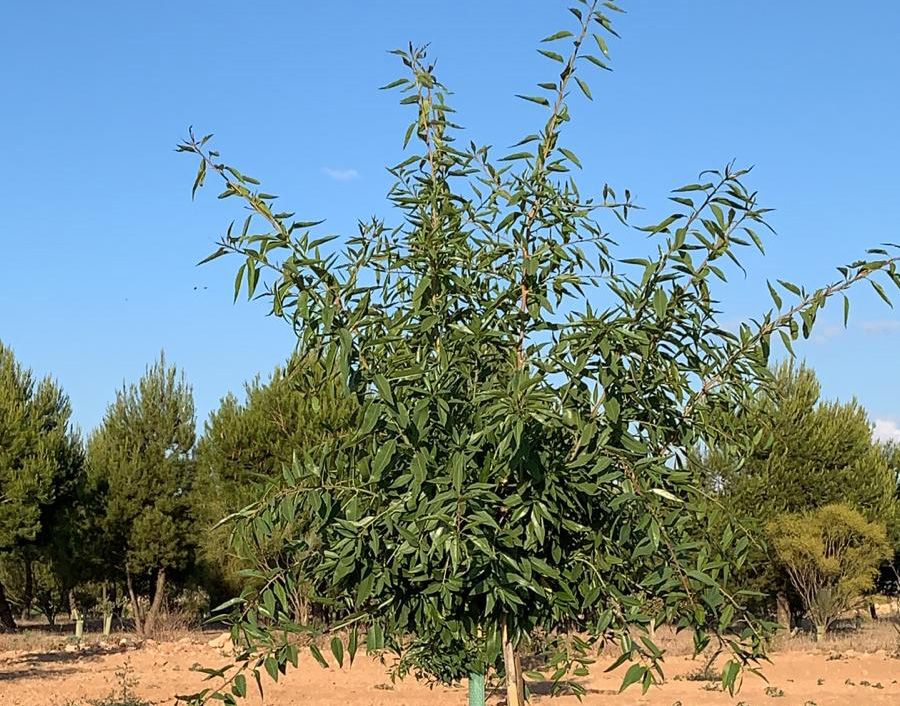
100, 235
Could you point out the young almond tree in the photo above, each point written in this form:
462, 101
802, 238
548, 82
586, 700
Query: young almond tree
528, 398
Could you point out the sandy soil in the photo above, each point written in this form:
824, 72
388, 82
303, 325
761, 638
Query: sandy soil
54, 677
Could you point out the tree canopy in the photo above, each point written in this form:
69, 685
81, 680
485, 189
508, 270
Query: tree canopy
247, 444
810, 453
529, 394
139, 461
832, 555
41, 464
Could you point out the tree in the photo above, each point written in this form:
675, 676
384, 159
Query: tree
528, 400
140, 463
832, 556
41, 465
245, 446
809, 453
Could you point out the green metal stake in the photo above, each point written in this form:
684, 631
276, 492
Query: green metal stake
476, 689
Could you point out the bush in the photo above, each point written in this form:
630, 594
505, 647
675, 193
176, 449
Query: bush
831, 555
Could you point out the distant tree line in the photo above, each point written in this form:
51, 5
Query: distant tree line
130, 518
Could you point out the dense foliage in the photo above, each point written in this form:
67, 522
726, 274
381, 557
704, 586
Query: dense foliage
529, 396
245, 445
139, 461
808, 453
832, 556
41, 469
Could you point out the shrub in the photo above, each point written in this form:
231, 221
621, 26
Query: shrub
832, 557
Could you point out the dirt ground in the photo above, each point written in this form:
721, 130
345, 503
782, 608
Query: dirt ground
50, 674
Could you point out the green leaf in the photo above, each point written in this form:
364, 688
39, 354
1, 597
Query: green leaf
551, 55
881, 293
597, 62
540, 100
240, 685
774, 295
382, 458
571, 156
271, 667
337, 649
582, 84
557, 35
316, 653
663, 493
792, 288
634, 674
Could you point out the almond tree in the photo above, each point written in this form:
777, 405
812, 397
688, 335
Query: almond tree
528, 394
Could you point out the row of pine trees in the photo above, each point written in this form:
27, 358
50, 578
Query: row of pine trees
126, 519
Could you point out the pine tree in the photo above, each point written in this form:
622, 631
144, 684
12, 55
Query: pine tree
41, 467
140, 464
245, 447
809, 453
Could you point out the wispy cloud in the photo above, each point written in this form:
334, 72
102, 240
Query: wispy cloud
823, 333
886, 430
341, 174
881, 326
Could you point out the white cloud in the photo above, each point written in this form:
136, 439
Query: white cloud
823, 334
881, 326
341, 174
886, 430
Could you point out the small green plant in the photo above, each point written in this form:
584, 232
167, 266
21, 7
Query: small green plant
124, 695
774, 692
703, 674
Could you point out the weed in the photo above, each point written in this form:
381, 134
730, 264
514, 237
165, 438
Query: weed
704, 674
124, 695
774, 692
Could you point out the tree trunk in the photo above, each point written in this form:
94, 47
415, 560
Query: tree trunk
7, 621
783, 610
156, 604
135, 606
820, 632
515, 685
873, 611
28, 590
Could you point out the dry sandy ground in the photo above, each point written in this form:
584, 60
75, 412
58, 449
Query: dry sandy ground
54, 677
